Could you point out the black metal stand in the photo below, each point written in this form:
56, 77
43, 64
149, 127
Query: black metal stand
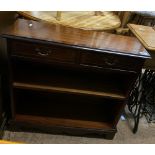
149, 92
141, 96
135, 102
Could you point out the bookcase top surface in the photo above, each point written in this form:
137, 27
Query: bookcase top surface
78, 38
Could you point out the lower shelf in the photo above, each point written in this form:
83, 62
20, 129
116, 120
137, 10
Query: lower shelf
56, 126
66, 111
49, 121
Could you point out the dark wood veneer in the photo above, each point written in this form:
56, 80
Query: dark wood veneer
48, 52
71, 80
76, 38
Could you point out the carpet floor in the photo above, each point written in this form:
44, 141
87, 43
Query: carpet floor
145, 135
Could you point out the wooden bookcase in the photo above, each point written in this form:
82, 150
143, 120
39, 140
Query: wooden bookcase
67, 81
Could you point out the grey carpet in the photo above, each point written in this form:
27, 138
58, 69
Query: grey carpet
145, 134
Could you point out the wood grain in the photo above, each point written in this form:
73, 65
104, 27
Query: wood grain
43, 77
90, 40
77, 19
145, 34
63, 122
110, 94
70, 96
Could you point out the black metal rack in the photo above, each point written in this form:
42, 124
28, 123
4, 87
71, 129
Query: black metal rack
142, 98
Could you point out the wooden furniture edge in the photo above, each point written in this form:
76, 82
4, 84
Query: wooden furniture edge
140, 39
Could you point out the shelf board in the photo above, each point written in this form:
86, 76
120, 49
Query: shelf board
65, 106
50, 121
50, 79
66, 90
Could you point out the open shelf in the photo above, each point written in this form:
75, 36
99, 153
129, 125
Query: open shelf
51, 79
60, 109
50, 121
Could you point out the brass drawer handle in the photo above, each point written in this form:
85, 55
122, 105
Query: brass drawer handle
111, 62
42, 52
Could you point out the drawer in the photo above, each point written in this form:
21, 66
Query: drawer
112, 61
43, 51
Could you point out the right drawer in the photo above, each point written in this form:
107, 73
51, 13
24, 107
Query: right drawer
113, 61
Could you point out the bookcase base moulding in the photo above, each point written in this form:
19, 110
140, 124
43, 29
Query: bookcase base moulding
69, 81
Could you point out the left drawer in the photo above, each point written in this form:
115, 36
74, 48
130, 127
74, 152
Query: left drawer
43, 51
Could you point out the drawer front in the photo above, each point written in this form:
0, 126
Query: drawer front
43, 51
112, 61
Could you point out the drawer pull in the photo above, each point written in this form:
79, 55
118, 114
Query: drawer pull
110, 62
42, 52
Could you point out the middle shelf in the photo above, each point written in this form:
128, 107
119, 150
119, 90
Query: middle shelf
53, 79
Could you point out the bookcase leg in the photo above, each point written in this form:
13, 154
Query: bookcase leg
109, 136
